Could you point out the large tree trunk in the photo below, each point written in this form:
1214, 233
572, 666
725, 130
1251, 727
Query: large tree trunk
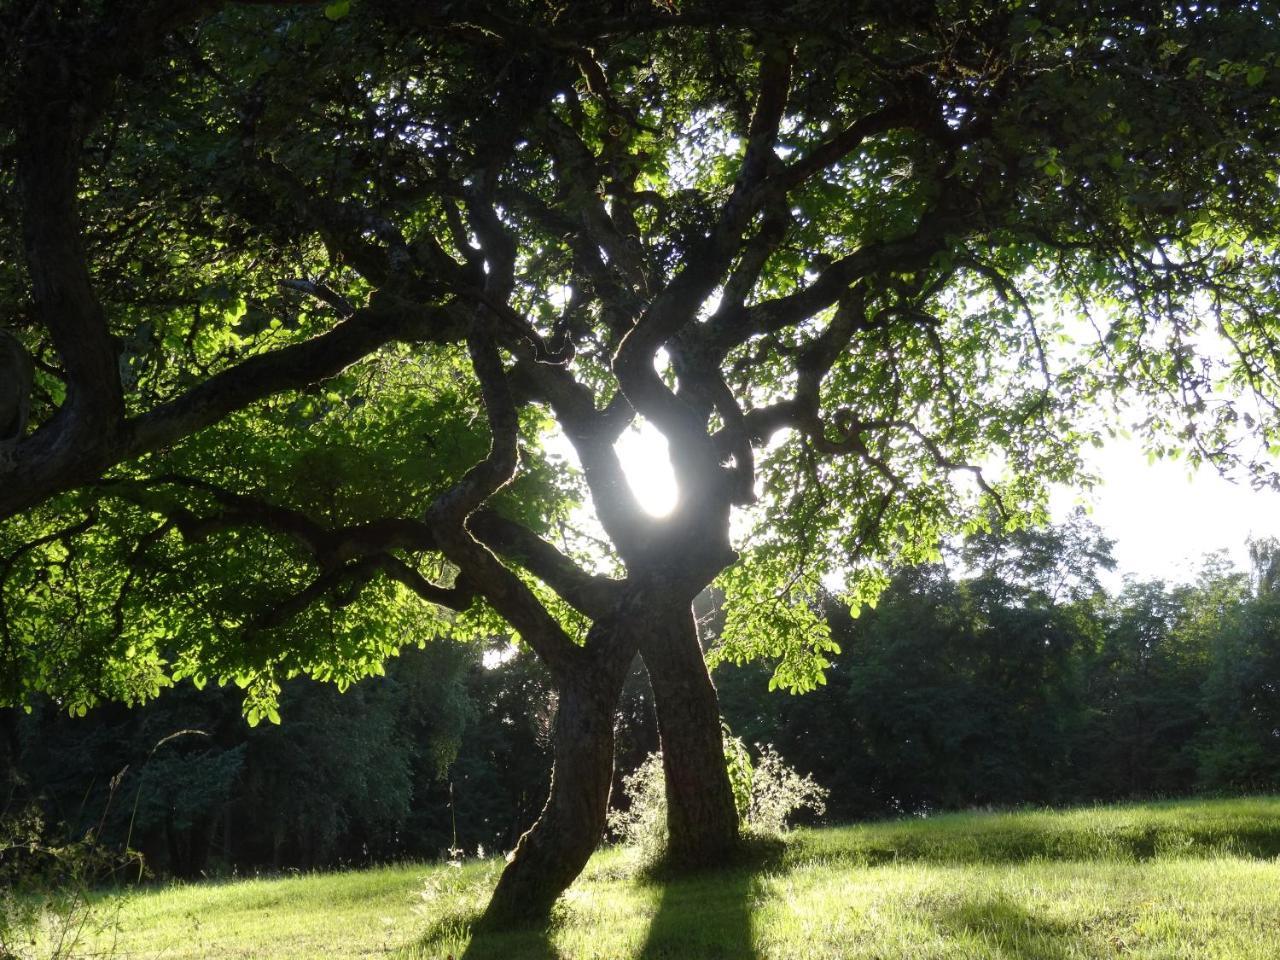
702, 819
555, 849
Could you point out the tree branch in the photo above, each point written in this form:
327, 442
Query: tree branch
591, 594
449, 514
353, 577
693, 456
769, 316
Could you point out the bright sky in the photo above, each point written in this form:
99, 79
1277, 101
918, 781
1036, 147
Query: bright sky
1163, 518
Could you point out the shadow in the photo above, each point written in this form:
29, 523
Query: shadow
457, 935
705, 919
1009, 930
707, 914
700, 914
531, 944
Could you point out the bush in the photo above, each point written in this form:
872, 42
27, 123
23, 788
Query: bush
642, 824
768, 794
778, 792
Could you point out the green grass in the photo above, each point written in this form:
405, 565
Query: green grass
1170, 880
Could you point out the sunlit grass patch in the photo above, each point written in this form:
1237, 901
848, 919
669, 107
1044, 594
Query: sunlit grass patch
350, 914
1249, 826
1167, 880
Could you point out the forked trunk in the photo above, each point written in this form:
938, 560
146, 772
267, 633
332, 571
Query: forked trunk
555, 849
702, 819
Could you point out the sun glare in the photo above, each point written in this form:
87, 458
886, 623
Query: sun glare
643, 452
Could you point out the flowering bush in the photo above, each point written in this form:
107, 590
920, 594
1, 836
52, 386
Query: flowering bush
768, 794
778, 792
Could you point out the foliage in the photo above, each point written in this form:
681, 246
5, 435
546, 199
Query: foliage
769, 794
1009, 677
1241, 697
778, 793
310, 288
51, 907
642, 823
352, 777
495, 786
995, 680
858, 247
737, 761
784, 627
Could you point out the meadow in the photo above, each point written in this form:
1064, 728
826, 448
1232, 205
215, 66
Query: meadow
1187, 879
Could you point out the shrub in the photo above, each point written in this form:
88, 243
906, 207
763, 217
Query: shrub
778, 792
642, 824
768, 793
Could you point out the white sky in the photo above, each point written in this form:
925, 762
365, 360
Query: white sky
1165, 518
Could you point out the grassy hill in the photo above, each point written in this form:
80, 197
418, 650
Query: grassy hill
1169, 880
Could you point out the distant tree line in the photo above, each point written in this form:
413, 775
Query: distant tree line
400, 766
1005, 676
1023, 682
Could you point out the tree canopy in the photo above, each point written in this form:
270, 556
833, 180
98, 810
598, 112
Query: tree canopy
305, 288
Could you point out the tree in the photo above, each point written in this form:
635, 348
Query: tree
1142, 688
1241, 693
956, 690
345, 778
281, 265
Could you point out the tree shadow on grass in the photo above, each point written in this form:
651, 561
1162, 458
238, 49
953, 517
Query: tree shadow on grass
707, 915
455, 935
703, 915
1009, 930
530, 944
704, 918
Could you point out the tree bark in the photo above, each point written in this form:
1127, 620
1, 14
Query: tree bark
702, 818
555, 849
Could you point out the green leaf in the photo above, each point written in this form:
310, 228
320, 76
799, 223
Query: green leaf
338, 9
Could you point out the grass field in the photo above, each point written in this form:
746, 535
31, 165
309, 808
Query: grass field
1172, 880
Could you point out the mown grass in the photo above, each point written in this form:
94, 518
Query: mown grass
1169, 880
